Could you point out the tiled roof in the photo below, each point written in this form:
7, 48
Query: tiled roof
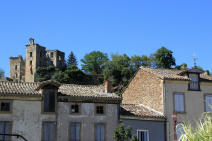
134, 110
31, 89
166, 73
172, 74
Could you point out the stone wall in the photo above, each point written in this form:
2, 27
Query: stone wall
146, 89
17, 68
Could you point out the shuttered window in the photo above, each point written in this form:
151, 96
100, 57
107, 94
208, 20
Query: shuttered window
100, 132
5, 128
48, 131
75, 132
194, 83
179, 105
208, 103
49, 102
142, 135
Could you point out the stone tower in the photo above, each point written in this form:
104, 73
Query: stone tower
56, 58
17, 68
35, 57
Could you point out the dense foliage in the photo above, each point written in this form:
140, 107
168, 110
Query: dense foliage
94, 62
124, 134
203, 131
97, 67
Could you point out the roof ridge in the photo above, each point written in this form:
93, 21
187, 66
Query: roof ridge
153, 110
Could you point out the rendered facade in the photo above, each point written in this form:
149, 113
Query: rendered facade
49, 111
186, 94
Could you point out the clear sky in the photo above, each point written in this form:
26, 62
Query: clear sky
134, 27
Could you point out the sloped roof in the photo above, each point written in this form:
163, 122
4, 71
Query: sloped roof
135, 110
172, 74
31, 89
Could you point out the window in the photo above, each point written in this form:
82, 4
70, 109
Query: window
75, 132
100, 132
51, 54
179, 105
16, 67
208, 103
75, 108
48, 131
41, 54
143, 135
49, 102
30, 54
100, 109
5, 106
30, 62
194, 83
5, 128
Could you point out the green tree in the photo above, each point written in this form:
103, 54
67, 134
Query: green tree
94, 62
119, 71
138, 61
43, 74
163, 58
1, 73
123, 134
72, 75
183, 66
203, 131
71, 59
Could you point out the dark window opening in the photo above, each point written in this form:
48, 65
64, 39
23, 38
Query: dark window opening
5, 128
30, 54
41, 54
75, 108
100, 109
49, 102
30, 62
16, 67
194, 82
51, 54
5, 106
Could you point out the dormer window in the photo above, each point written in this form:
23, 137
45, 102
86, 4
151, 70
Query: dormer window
49, 102
194, 82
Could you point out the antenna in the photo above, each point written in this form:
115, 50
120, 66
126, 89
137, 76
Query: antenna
195, 59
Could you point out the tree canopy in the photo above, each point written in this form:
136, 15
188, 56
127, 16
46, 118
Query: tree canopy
71, 59
163, 58
94, 62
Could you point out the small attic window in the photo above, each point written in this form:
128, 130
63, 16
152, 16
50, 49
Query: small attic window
194, 82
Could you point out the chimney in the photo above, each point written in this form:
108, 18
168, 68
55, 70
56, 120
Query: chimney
108, 86
31, 41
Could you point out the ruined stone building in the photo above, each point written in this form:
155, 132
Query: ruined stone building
36, 56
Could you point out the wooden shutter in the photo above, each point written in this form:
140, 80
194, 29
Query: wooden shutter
208, 103
48, 131
100, 132
1, 130
179, 102
75, 132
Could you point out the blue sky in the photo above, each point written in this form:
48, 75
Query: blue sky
111, 26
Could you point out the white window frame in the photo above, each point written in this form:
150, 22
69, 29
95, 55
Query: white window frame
140, 130
206, 103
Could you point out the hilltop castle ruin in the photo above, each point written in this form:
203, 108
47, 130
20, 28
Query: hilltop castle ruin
36, 56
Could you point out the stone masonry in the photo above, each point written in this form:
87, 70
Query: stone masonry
145, 89
36, 56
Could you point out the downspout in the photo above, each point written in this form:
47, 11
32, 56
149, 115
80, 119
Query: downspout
165, 112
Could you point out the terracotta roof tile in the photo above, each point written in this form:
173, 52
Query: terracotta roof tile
26, 88
172, 74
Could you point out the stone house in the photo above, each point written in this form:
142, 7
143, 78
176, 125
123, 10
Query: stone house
180, 96
50, 111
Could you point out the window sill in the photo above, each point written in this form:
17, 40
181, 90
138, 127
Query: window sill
179, 112
5, 112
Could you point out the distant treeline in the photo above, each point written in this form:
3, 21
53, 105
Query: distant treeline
97, 67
